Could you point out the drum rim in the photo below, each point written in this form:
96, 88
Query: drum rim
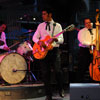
11, 53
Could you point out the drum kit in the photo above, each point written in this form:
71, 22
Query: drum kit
15, 64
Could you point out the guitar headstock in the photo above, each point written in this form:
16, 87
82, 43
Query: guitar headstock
97, 15
70, 28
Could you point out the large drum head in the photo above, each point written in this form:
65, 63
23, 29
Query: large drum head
11, 62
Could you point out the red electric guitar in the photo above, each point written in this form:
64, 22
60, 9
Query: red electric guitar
40, 53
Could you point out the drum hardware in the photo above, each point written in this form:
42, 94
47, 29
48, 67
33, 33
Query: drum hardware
24, 48
28, 32
15, 70
21, 37
29, 57
29, 79
30, 74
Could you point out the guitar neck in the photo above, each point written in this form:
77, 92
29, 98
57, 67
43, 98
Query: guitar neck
59, 33
55, 36
69, 28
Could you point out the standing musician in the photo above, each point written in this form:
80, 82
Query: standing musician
86, 37
52, 59
3, 44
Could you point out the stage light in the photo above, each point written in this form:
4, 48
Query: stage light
21, 18
34, 18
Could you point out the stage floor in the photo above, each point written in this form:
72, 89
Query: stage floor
55, 97
27, 92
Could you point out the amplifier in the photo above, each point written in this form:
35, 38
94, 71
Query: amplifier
85, 91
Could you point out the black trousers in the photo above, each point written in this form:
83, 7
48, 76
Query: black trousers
52, 61
84, 60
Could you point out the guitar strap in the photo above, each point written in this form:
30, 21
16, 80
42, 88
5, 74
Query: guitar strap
54, 24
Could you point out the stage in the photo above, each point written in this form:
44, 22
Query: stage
21, 91
27, 92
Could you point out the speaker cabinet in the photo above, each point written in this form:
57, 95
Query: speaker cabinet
85, 91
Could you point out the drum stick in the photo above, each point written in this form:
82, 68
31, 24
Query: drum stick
13, 45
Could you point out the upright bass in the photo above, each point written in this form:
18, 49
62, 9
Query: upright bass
94, 67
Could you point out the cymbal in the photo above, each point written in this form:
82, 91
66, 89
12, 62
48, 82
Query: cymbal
28, 32
1, 42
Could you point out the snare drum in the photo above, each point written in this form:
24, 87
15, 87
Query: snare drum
24, 48
12, 67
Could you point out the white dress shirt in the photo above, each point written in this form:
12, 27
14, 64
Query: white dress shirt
41, 33
85, 38
3, 38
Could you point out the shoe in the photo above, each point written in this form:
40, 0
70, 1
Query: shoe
48, 98
61, 93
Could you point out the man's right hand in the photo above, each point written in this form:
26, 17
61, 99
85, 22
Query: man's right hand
41, 44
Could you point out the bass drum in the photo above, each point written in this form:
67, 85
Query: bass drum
12, 67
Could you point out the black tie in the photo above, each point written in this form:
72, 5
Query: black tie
47, 25
90, 30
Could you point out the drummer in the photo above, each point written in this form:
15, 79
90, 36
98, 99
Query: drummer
3, 44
